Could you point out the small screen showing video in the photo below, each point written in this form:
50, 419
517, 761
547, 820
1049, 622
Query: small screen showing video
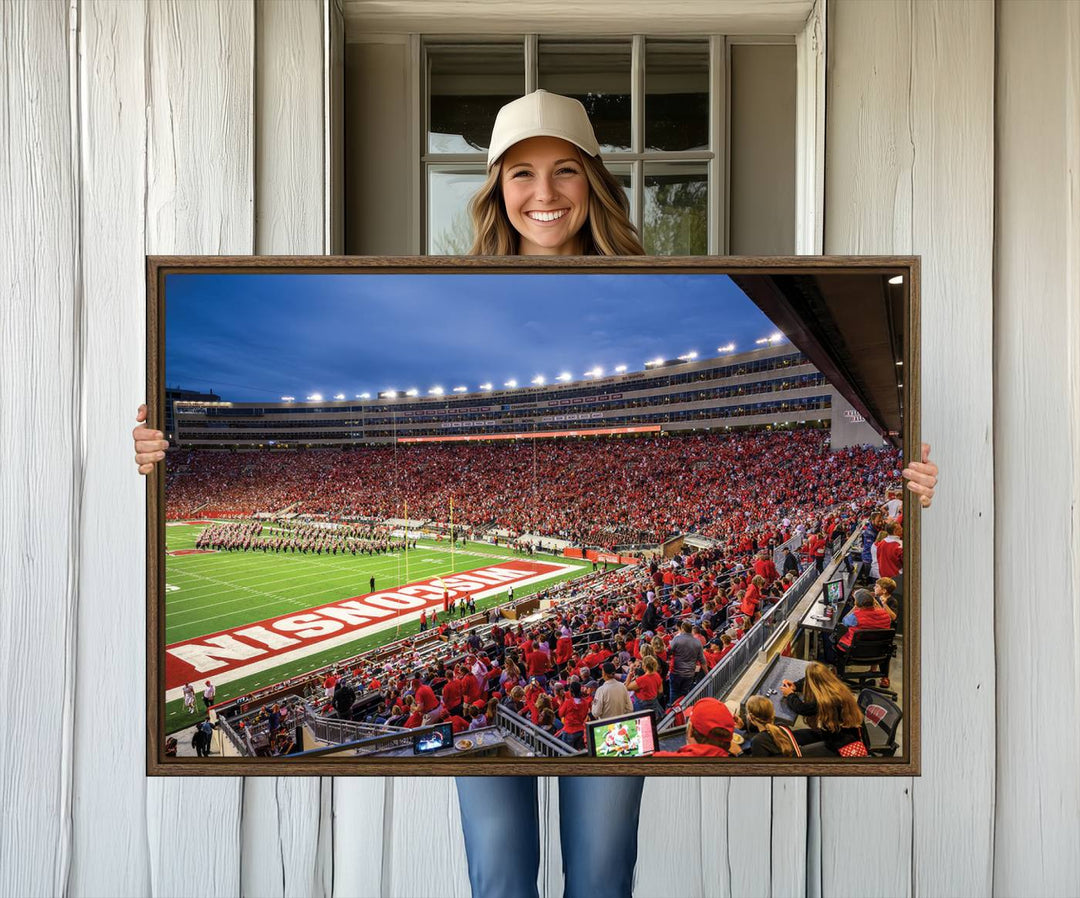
632, 736
834, 592
432, 740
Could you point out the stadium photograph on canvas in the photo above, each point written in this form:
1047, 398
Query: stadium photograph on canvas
447, 516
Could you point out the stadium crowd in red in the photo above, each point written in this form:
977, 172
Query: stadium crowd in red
598, 491
637, 620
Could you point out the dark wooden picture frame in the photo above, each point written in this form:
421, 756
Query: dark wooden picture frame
801, 322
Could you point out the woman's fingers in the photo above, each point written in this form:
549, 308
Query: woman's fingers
922, 477
150, 444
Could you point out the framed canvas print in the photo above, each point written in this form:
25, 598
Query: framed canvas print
460, 516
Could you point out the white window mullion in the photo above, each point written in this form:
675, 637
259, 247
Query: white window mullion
718, 166
725, 143
637, 129
419, 93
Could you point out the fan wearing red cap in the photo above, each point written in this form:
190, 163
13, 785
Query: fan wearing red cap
708, 732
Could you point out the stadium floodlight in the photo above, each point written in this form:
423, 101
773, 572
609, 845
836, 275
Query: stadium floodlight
689, 357
510, 383
315, 397
620, 369
435, 391
565, 376
365, 395
539, 380
412, 392
898, 279
730, 347
461, 389
595, 372
654, 363
339, 396
485, 387
776, 338
288, 398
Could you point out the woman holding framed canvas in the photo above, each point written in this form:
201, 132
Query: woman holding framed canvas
547, 193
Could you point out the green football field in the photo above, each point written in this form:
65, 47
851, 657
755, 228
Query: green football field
221, 590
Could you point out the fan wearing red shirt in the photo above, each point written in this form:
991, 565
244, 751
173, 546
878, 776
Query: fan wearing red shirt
646, 685
453, 695
573, 712
868, 614
457, 724
764, 567
669, 581
415, 718
752, 597
708, 732
428, 703
596, 657
564, 650
537, 665
470, 688
890, 554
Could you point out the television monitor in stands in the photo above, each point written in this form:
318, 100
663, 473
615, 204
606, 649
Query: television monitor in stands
834, 592
629, 736
433, 739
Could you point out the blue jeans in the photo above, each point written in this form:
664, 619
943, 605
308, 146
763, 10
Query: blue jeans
598, 824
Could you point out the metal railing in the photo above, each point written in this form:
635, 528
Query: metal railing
540, 742
371, 744
335, 732
794, 544
725, 674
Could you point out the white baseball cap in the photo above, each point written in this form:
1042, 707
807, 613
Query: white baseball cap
541, 114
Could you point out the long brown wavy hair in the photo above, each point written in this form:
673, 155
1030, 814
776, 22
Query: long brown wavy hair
836, 706
763, 715
607, 230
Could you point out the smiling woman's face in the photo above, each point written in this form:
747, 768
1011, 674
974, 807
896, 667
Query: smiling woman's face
546, 195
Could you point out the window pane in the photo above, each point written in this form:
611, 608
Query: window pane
676, 209
676, 95
449, 191
597, 74
624, 176
467, 84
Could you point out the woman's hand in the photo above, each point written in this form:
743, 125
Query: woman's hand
150, 445
922, 477
787, 687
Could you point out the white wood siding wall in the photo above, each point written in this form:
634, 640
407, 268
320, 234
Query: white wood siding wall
910, 153
198, 127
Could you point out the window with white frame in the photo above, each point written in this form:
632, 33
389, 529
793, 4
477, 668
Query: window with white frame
656, 105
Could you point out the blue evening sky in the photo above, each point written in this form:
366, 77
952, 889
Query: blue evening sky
258, 337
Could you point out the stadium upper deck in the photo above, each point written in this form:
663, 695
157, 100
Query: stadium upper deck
771, 386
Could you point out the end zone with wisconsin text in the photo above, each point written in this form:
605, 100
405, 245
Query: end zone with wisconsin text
231, 654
